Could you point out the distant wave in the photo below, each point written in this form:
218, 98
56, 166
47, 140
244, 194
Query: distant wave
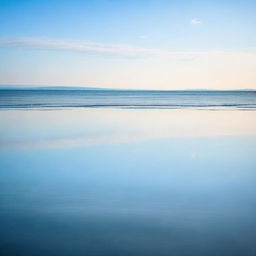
36, 106
34, 99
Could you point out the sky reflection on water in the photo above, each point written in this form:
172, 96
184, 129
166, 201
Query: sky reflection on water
141, 182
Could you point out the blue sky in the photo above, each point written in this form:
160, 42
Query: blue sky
129, 44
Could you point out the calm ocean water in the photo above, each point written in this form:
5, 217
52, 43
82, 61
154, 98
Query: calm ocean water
117, 181
126, 99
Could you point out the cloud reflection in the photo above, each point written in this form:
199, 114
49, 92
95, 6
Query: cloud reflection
86, 127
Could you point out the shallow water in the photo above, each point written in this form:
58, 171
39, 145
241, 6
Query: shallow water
127, 182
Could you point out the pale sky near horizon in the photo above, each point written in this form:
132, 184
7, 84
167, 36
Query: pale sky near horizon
141, 44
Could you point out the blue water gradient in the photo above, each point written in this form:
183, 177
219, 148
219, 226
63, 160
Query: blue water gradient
185, 195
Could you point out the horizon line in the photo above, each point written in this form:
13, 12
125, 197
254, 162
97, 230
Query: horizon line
65, 87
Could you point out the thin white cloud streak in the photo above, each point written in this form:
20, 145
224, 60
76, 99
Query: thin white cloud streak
142, 36
195, 22
91, 47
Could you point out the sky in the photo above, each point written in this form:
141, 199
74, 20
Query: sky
142, 44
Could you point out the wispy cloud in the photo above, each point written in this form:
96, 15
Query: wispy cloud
90, 47
142, 36
195, 22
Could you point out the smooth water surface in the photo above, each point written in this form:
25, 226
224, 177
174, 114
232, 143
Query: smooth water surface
127, 182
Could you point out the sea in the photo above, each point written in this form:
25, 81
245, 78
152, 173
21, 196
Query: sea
127, 173
54, 98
